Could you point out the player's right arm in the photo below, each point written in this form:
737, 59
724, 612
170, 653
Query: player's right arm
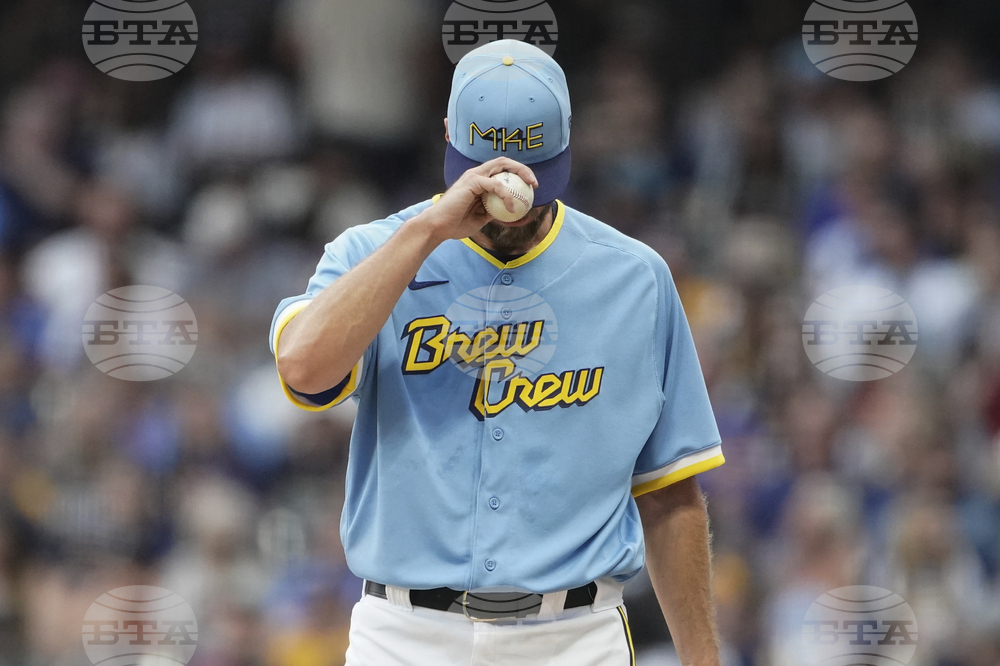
321, 344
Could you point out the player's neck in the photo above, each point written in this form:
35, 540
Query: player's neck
480, 239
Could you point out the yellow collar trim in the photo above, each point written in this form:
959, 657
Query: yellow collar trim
534, 252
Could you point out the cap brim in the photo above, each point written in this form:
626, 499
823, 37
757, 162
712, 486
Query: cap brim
552, 174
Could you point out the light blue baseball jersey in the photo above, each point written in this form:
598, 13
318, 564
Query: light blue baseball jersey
508, 413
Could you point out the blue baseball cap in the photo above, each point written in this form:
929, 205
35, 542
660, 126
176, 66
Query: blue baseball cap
510, 99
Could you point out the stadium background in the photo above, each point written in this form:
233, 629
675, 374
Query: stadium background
699, 127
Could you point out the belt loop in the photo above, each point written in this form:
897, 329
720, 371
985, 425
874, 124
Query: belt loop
398, 596
364, 586
609, 594
552, 605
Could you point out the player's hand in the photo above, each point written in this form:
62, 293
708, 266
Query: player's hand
459, 213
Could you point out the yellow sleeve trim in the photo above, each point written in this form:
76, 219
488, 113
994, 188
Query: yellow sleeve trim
678, 475
535, 251
286, 316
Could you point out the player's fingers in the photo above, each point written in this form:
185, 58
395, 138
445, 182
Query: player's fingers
493, 166
482, 185
499, 164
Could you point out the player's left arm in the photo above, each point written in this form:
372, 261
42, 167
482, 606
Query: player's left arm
678, 557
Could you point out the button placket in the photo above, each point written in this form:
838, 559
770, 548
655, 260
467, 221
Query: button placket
496, 432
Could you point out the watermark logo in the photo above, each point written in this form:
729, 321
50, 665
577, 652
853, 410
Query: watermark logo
860, 40
140, 624
859, 624
499, 319
860, 333
140, 333
472, 23
140, 40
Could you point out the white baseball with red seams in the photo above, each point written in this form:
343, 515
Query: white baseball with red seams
523, 195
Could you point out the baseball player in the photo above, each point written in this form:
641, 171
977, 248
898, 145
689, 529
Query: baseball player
531, 412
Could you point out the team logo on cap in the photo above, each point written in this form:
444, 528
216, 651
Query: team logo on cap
531, 137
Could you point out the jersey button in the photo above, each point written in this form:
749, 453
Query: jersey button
497, 434
494, 503
490, 565
507, 278
506, 313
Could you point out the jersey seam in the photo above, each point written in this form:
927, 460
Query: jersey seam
370, 245
656, 370
358, 231
475, 507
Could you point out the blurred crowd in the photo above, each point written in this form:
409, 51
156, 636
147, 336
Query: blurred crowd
703, 132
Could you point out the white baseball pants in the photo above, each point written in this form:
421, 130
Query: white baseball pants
391, 632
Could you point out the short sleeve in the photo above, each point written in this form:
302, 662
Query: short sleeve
685, 440
339, 257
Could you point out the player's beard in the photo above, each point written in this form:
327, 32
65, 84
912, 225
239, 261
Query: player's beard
511, 240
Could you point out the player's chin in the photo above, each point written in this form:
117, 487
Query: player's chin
529, 217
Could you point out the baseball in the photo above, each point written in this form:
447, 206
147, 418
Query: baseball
523, 195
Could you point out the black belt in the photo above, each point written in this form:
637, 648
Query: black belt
486, 605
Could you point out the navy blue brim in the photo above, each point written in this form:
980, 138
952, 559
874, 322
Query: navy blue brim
552, 175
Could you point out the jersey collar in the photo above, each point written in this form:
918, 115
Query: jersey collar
534, 252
